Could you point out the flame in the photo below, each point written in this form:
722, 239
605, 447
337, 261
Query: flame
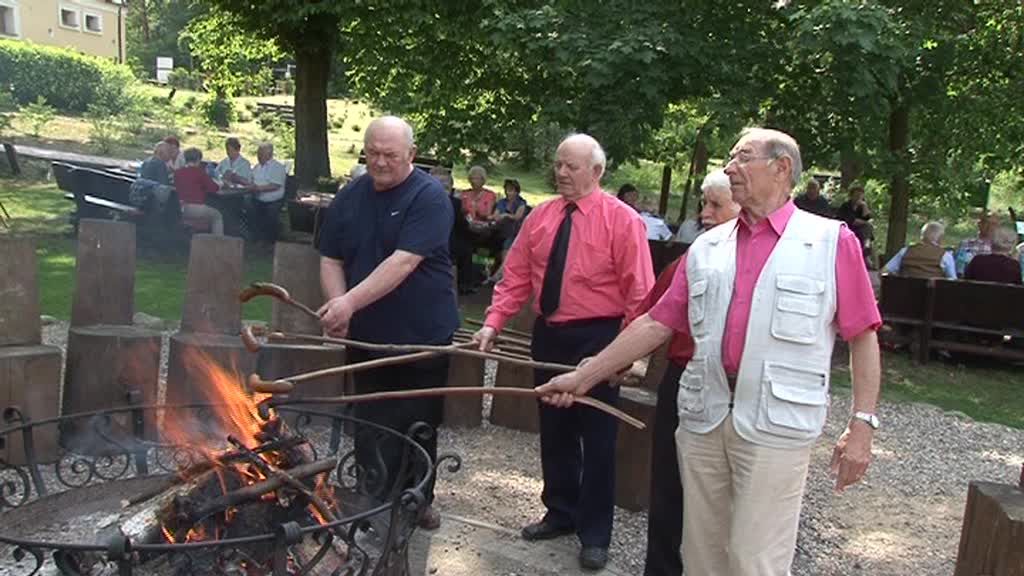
235, 410
324, 492
167, 534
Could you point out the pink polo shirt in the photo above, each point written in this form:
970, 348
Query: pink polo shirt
608, 269
856, 308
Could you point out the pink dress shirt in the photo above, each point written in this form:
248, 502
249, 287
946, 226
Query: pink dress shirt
608, 269
856, 309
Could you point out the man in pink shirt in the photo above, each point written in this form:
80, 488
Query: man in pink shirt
763, 296
585, 260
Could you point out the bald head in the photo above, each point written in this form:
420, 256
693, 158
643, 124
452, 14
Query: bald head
579, 165
390, 150
764, 166
163, 151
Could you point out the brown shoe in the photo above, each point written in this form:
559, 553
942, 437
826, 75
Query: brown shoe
430, 519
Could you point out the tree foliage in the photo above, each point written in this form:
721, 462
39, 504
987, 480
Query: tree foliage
232, 61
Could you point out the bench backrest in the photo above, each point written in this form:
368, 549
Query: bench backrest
980, 304
102, 184
903, 297
664, 252
62, 174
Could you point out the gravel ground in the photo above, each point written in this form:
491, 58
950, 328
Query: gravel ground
905, 518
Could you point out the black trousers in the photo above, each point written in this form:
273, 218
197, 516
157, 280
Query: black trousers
263, 219
381, 456
577, 444
665, 518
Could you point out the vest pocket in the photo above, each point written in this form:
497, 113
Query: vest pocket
690, 398
798, 303
794, 401
696, 306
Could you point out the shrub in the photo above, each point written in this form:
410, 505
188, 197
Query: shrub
38, 114
69, 81
185, 79
104, 131
218, 111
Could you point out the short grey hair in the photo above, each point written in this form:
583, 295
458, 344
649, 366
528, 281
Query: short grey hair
716, 180
778, 144
932, 232
1003, 240
597, 155
478, 170
391, 121
266, 147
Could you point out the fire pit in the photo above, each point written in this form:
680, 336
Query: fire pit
230, 487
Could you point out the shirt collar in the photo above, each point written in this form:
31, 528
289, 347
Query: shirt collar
588, 202
777, 219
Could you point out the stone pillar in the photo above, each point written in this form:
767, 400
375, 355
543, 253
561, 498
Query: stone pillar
211, 320
29, 371
108, 359
633, 450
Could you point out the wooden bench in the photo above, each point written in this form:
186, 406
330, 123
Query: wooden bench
285, 112
982, 318
102, 195
664, 252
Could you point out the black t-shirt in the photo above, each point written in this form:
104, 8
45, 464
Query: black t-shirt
363, 227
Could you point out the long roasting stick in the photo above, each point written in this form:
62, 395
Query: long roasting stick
519, 333
453, 390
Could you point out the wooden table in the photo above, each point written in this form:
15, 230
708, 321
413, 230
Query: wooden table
230, 201
307, 212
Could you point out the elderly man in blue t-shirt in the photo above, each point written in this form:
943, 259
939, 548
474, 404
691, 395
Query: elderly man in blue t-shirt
387, 277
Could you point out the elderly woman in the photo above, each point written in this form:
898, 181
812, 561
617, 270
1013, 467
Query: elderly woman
999, 265
478, 202
629, 195
193, 185
508, 213
857, 215
925, 259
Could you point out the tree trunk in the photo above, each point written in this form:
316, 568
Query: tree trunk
850, 167
698, 166
313, 67
899, 206
143, 9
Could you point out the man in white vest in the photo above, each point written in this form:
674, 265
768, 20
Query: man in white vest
763, 297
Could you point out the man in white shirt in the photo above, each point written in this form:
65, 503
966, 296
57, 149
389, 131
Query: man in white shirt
264, 211
234, 169
657, 229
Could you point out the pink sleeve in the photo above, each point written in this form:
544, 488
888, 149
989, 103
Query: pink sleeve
515, 287
856, 307
633, 262
672, 309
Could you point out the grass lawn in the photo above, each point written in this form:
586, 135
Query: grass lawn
984, 390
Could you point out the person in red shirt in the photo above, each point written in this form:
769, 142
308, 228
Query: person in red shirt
664, 522
585, 260
193, 185
478, 202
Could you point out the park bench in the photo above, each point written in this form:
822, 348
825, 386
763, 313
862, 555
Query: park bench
285, 112
981, 318
100, 194
664, 252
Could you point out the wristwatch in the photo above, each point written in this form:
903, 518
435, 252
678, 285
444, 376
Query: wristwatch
867, 417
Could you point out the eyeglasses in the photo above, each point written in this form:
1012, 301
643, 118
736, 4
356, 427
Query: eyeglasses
389, 157
746, 156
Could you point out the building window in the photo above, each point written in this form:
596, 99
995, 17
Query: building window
69, 18
8, 21
94, 23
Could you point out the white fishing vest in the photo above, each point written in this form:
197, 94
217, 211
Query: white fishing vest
781, 396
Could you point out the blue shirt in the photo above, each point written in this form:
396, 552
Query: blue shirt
155, 169
947, 264
363, 227
503, 207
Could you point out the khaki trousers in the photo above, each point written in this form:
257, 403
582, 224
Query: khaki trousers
205, 212
741, 503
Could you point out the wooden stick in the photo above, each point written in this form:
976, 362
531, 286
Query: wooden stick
455, 390
254, 491
500, 338
423, 348
511, 331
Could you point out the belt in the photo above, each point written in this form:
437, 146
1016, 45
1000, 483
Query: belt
581, 321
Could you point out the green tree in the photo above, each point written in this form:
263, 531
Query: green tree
232, 61
153, 27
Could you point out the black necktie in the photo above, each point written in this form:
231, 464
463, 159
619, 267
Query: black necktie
551, 291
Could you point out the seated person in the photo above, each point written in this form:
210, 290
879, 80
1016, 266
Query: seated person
155, 167
508, 213
925, 259
460, 245
154, 182
982, 244
478, 202
177, 160
629, 195
857, 215
234, 169
264, 211
716, 206
998, 265
657, 229
193, 184
812, 201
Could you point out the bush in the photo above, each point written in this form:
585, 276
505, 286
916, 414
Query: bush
185, 79
218, 111
38, 114
69, 81
104, 130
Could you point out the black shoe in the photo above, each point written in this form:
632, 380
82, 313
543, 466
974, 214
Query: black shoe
544, 530
593, 558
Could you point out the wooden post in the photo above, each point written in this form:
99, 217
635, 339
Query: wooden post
992, 538
633, 450
104, 273
211, 321
29, 371
12, 158
515, 412
656, 366
666, 185
465, 411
